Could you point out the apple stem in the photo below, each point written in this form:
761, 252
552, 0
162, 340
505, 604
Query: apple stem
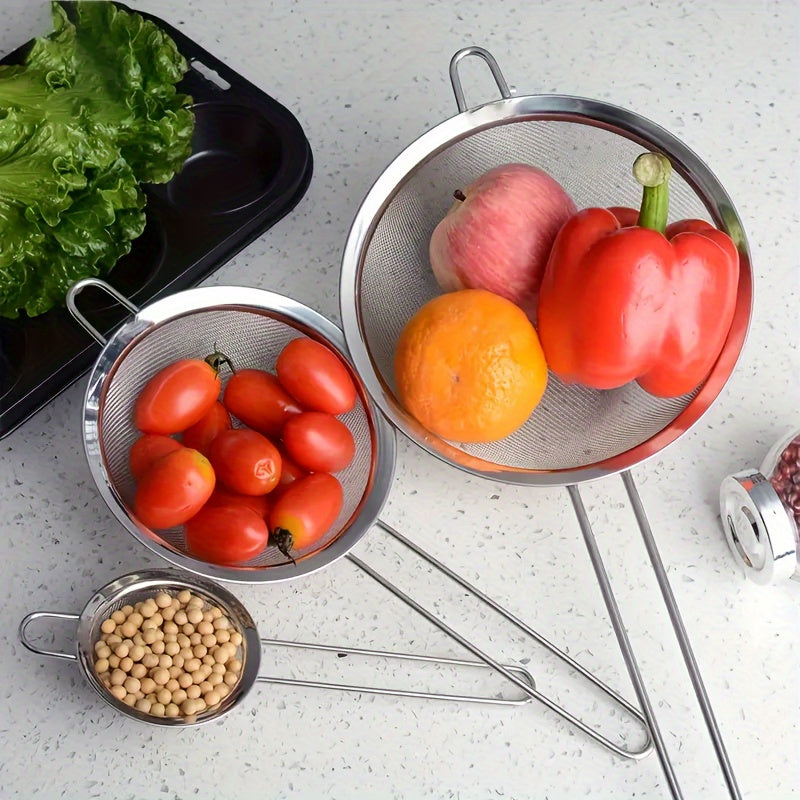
459, 195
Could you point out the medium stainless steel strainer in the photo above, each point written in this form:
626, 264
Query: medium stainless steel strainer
575, 434
251, 326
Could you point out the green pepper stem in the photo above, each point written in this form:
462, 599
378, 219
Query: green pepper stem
652, 171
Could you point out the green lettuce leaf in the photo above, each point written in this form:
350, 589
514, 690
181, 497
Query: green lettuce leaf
68, 211
92, 113
121, 70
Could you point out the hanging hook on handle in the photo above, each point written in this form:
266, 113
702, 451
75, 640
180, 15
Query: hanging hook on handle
455, 78
22, 632
78, 287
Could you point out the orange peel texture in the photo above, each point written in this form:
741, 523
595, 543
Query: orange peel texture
469, 367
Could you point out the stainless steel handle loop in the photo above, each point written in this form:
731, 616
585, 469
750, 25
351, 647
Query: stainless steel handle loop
491, 662
623, 641
524, 676
455, 79
78, 287
32, 617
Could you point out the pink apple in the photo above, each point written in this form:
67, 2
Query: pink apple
498, 234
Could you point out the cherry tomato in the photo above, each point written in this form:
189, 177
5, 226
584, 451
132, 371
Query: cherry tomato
147, 449
304, 513
177, 396
257, 398
226, 534
203, 432
316, 377
290, 472
245, 461
174, 489
318, 442
222, 497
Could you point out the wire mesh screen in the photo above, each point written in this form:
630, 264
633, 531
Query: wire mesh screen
573, 426
252, 339
106, 601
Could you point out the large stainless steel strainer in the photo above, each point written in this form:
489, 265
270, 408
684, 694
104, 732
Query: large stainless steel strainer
575, 434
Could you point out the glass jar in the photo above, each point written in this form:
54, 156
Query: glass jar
760, 512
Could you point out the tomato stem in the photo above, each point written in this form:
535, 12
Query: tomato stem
216, 360
283, 540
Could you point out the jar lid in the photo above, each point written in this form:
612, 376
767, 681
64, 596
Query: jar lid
760, 533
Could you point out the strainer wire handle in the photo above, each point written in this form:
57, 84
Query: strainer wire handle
387, 654
680, 633
623, 641
677, 624
455, 78
78, 287
22, 632
514, 620
490, 661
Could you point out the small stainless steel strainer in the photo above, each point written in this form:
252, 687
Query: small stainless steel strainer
132, 588
129, 590
575, 434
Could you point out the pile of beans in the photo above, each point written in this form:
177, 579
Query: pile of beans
169, 656
786, 478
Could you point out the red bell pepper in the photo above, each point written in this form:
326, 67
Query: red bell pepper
625, 299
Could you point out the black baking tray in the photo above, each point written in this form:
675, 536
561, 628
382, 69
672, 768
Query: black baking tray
250, 165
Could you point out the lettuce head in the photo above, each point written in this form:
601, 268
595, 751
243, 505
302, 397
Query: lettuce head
91, 114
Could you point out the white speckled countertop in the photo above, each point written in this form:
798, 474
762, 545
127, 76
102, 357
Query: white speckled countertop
365, 79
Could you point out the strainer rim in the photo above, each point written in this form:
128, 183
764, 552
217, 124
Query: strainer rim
260, 300
158, 578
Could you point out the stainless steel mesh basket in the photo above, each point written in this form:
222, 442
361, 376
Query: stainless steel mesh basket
251, 326
129, 590
575, 433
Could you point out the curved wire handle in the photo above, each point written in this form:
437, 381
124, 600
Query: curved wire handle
489, 660
523, 674
77, 288
22, 632
455, 78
